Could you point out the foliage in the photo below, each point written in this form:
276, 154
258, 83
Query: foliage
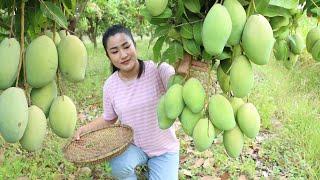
39, 15
99, 15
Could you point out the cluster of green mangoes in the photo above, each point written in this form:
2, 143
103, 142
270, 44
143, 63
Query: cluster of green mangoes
313, 43
43, 57
289, 42
227, 35
204, 120
289, 49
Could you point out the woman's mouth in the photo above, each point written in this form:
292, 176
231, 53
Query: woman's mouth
125, 62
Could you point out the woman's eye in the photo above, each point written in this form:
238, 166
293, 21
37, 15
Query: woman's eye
126, 47
114, 52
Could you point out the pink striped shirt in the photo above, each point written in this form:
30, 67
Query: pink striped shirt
135, 104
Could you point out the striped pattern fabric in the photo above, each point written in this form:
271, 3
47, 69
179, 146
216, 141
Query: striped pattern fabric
135, 104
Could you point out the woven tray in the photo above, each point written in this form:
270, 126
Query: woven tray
100, 145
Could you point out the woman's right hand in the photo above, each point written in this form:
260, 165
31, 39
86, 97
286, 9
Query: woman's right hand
78, 133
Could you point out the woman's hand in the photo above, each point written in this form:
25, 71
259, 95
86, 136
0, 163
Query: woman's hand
78, 133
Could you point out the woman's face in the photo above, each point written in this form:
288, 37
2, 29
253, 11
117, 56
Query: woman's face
122, 52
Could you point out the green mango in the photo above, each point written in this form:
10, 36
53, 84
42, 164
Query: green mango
296, 43
13, 114
257, 39
315, 51
57, 38
63, 116
72, 58
221, 112
291, 61
194, 95
163, 121
43, 97
156, 7
189, 120
281, 50
174, 101
9, 62
241, 77
36, 129
312, 37
238, 19
233, 141
248, 120
41, 61
203, 134
236, 103
216, 29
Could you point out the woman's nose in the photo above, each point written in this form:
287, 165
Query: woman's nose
123, 53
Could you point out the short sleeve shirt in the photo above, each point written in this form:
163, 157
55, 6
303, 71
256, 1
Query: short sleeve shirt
135, 104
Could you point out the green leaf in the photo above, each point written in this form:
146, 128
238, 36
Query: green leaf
180, 9
261, 5
273, 11
192, 5
186, 30
158, 47
162, 30
70, 4
173, 53
145, 13
206, 56
53, 12
287, 4
191, 47
197, 30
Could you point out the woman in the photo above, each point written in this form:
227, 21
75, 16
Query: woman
131, 94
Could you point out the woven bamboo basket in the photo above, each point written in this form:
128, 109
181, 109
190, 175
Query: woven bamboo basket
100, 145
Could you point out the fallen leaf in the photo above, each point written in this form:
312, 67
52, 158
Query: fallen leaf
209, 178
225, 176
242, 177
208, 163
183, 159
198, 163
186, 172
81, 116
208, 153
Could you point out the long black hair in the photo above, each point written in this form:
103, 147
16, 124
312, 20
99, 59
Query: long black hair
113, 30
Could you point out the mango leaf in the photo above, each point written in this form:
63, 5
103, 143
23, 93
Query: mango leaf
192, 5
70, 4
173, 53
261, 5
206, 56
191, 47
273, 11
158, 47
186, 30
162, 30
53, 12
180, 9
174, 34
145, 13
311, 7
197, 30
287, 4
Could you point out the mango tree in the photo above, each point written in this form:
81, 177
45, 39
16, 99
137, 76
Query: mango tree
228, 37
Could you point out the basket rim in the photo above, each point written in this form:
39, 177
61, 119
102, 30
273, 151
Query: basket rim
103, 157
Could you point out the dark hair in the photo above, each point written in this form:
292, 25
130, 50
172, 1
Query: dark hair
113, 30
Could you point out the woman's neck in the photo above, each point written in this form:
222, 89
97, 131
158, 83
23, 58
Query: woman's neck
130, 75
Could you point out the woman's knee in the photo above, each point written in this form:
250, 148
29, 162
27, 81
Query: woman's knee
121, 170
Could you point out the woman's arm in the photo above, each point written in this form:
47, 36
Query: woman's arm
98, 123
